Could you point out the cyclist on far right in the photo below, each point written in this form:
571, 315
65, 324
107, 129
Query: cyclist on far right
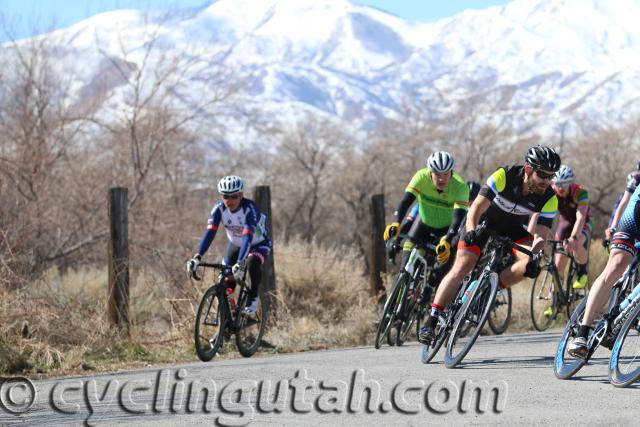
574, 224
633, 180
627, 232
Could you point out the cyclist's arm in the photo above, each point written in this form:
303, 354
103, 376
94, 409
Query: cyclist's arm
533, 221
479, 206
621, 207
251, 222
581, 218
458, 216
539, 237
212, 227
544, 223
404, 206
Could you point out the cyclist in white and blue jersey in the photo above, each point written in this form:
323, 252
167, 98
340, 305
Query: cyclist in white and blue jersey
623, 249
249, 243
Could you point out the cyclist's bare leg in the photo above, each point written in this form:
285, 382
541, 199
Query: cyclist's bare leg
580, 254
462, 266
599, 294
561, 263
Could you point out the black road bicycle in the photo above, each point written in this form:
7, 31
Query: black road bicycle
464, 318
479, 298
618, 330
549, 294
402, 308
218, 316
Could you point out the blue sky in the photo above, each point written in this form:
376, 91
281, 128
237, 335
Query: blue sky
28, 17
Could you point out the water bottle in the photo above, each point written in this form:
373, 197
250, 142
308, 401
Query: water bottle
231, 300
469, 289
636, 291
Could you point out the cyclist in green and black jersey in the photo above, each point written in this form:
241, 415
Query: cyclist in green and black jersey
443, 198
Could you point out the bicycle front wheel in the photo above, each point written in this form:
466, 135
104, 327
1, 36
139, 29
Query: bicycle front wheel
250, 328
500, 314
413, 311
388, 313
624, 364
210, 324
565, 365
544, 301
470, 320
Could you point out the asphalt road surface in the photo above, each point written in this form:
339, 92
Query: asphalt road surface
504, 380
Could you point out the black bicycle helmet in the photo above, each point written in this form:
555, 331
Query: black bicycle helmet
543, 157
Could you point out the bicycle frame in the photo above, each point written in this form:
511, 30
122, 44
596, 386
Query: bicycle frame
227, 278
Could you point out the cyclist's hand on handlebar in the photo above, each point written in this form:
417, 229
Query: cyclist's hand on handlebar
193, 264
570, 244
238, 270
533, 266
391, 231
608, 233
443, 250
470, 237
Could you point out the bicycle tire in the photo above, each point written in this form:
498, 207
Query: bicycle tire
412, 306
388, 313
207, 302
543, 290
250, 328
499, 325
616, 375
479, 299
566, 366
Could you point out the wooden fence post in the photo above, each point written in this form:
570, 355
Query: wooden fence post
262, 197
118, 296
377, 255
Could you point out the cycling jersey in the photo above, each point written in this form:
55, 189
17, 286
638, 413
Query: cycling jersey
568, 206
628, 230
436, 207
509, 206
245, 227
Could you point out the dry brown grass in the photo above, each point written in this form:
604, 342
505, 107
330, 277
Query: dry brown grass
57, 326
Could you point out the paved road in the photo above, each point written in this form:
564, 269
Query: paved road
331, 388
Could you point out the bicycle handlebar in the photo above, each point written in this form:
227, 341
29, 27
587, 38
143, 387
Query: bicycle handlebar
482, 228
217, 266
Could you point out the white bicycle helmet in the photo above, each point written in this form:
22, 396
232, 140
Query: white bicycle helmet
440, 161
230, 185
564, 175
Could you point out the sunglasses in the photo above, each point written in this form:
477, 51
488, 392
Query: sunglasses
544, 175
231, 196
562, 186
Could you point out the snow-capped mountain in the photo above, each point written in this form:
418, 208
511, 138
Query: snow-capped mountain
539, 63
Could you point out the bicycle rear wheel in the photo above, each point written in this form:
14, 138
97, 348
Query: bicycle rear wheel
624, 364
250, 328
565, 365
388, 313
500, 314
210, 324
470, 319
544, 300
